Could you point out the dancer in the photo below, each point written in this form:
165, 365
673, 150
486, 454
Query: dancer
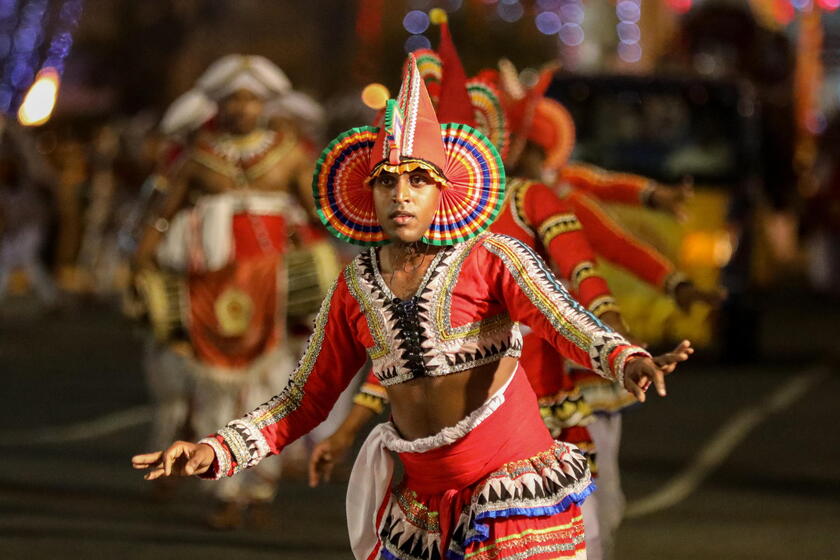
543, 139
232, 214
437, 311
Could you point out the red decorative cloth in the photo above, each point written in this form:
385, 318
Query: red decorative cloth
234, 312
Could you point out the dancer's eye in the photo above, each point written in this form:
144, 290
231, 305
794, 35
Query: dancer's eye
385, 180
420, 179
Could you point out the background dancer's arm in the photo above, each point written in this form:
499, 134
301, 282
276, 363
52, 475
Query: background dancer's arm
332, 357
369, 402
563, 237
609, 240
627, 188
328, 452
157, 223
302, 178
535, 298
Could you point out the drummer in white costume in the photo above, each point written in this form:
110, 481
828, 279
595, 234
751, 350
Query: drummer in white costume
232, 221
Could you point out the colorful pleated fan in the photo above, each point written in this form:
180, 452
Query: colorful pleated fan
342, 196
489, 113
477, 177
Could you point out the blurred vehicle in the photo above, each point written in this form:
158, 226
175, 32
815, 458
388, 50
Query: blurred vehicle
671, 130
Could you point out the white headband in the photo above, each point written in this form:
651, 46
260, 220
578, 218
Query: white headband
187, 113
235, 71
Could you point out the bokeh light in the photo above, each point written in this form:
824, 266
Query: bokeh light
529, 77
630, 52
454, 5
548, 23
417, 42
571, 34
511, 12
628, 32
546, 5
572, 13
627, 10
416, 22
437, 16
680, 6
375, 96
829, 5
39, 101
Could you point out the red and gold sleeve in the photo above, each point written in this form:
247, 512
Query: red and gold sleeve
534, 297
371, 394
613, 243
624, 188
561, 234
332, 357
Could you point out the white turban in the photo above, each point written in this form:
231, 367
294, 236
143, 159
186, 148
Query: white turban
235, 71
187, 113
300, 109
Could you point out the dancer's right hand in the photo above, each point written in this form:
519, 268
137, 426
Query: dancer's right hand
182, 458
325, 455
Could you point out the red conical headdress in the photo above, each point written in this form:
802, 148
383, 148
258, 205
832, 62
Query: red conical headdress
535, 117
475, 101
410, 136
455, 104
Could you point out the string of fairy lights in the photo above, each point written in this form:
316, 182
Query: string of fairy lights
35, 37
564, 18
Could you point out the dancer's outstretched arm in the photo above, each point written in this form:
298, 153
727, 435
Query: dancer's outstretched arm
332, 358
535, 298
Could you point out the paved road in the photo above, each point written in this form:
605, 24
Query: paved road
769, 490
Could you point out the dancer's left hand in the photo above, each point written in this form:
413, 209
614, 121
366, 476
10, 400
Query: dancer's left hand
687, 294
673, 199
640, 373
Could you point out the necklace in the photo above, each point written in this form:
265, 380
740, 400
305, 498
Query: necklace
412, 248
241, 150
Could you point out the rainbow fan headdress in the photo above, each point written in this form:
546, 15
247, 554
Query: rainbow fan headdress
463, 161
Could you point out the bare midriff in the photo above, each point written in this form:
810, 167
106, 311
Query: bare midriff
424, 406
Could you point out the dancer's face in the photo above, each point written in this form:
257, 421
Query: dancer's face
240, 111
405, 204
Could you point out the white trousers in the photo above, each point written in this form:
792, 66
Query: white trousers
20, 250
170, 380
604, 509
218, 398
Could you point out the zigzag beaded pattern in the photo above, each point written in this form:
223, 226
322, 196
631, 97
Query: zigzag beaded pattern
518, 193
564, 313
289, 399
242, 436
582, 271
553, 479
558, 225
415, 337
